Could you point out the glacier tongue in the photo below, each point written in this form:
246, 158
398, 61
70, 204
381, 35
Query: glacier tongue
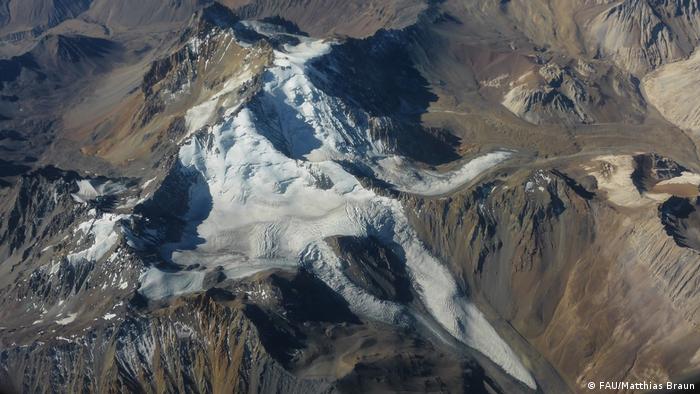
431, 183
272, 191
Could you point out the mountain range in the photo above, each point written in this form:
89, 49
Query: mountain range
308, 196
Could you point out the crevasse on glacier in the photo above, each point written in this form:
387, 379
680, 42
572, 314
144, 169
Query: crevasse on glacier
272, 191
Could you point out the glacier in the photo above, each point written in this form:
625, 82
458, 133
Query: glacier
271, 187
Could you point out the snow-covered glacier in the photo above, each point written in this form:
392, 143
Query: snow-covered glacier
271, 186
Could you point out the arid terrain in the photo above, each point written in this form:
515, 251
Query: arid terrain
366, 196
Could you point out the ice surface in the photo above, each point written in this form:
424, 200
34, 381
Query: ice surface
432, 183
272, 191
104, 235
158, 284
86, 191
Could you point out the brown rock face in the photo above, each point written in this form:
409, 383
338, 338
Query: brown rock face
194, 345
288, 334
598, 291
161, 164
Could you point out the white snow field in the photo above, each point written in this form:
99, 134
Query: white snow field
102, 233
272, 191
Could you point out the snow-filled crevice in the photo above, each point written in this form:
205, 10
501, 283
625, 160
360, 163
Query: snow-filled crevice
273, 190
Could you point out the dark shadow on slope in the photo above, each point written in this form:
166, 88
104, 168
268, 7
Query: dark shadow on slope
279, 123
60, 59
280, 339
373, 267
11, 135
219, 15
574, 185
305, 299
681, 220
287, 25
433, 146
378, 75
8, 168
177, 208
11, 69
278, 32
651, 168
105, 203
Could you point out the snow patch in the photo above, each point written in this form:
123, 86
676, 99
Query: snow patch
148, 182
104, 236
205, 113
157, 284
90, 189
68, 319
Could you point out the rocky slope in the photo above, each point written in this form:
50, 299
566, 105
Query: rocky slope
667, 89
538, 247
370, 196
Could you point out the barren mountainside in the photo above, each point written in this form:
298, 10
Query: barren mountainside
323, 196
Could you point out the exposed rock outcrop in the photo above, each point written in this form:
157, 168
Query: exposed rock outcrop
560, 97
364, 196
538, 250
